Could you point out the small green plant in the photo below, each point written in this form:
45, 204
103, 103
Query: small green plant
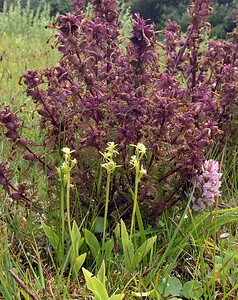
110, 165
96, 284
140, 150
133, 254
75, 240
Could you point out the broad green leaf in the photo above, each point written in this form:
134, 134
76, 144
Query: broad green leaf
76, 241
75, 233
75, 248
192, 289
101, 273
99, 225
175, 286
95, 285
128, 248
143, 250
109, 247
79, 262
79, 243
73, 253
170, 287
117, 231
53, 237
92, 242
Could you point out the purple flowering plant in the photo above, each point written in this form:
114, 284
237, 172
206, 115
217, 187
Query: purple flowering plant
177, 97
205, 188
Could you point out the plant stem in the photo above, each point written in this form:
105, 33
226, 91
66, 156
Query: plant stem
136, 208
140, 223
68, 204
136, 211
106, 209
99, 182
134, 203
62, 223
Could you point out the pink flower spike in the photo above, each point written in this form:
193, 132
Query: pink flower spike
205, 187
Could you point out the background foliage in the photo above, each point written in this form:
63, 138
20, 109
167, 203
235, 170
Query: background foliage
222, 20
56, 6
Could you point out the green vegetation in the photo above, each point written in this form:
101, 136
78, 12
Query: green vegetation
159, 11
56, 6
23, 46
46, 253
155, 11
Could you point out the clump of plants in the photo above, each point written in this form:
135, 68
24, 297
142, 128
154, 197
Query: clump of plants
125, 126
177, 98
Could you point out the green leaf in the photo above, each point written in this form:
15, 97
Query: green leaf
109, 247
95, 285
92, 242
128, 248
99, 225
79, 262
53, 237
170, 287
155, 294
75, 233
192, 289
143, 250
101, 273
76, 241
117, 231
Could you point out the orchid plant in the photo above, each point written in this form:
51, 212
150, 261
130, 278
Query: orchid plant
205, 187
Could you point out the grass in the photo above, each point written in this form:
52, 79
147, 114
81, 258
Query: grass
17, 56
188, 255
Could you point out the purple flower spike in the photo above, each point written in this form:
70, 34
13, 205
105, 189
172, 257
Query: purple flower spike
205, 187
